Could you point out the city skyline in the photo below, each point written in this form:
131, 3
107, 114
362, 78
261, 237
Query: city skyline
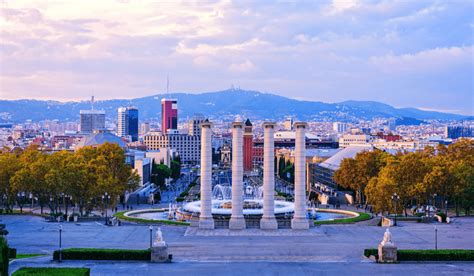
406, 54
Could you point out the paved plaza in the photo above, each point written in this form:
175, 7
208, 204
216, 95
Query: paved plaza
327, 249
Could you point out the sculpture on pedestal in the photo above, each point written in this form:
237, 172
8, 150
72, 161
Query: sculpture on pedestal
387, 249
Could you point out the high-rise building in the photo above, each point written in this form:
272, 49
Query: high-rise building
194, 125
339, 127
169, 115
455, 132
248, 146
92, 120
127, 124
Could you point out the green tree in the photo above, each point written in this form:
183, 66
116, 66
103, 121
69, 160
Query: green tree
9, 166
176, 168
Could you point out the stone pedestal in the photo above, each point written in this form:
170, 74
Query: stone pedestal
268, 220
387, 253
387, 249
299, 220
159, 253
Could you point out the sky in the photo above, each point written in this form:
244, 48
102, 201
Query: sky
404, 53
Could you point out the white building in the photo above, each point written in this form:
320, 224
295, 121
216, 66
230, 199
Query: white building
194, 125
339, 127
188, 147
354, 140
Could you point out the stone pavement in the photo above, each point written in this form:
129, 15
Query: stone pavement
327, 249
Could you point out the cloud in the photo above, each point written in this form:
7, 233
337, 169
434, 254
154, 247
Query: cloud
244, 67
393, 51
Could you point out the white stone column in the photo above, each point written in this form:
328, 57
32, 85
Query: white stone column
237, 220
268, 220
299, 220
205, 218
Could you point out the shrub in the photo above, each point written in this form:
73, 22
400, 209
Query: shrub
11, 253
4, 260
442, 215
371, 252
428, 255
52, 271
436, 255
103, 254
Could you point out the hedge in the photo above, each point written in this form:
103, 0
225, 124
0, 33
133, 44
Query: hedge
428, 255
52, 271
361, 217
103, 254
12, 253
4, 260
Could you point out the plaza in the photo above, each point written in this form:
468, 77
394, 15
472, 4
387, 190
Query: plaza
326, 249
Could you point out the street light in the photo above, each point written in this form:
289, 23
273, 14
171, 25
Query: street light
106, 198
60, 242
151, 235
436, 237
446, 206
395, 198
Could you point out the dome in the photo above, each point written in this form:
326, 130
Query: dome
100, 138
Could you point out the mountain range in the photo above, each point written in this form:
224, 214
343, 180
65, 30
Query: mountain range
220, 104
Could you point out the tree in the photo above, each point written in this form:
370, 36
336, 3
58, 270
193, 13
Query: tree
176, 168
355, 173
9, 166
160, 173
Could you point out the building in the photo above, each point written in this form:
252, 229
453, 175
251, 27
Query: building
127, 123
92, 120
145, 128
169, 115
97, 139
286, 139
455, 132
354, 139
188, 147
194, 125
323, 172
288, 124
339, 127
248, 146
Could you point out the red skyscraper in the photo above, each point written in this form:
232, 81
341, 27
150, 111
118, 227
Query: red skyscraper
169, 114
248, 145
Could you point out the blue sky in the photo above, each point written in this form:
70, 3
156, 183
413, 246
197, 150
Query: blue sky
404, 53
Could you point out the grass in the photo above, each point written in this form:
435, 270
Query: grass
362, 216
428, 255
24, 256
121, 216
52, 271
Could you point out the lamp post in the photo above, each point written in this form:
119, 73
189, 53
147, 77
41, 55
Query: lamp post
151, 235
446, 206
436, 237
395, 198
106, 198
60, 242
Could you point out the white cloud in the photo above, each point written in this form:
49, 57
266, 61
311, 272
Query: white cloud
244, 67
327, 51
